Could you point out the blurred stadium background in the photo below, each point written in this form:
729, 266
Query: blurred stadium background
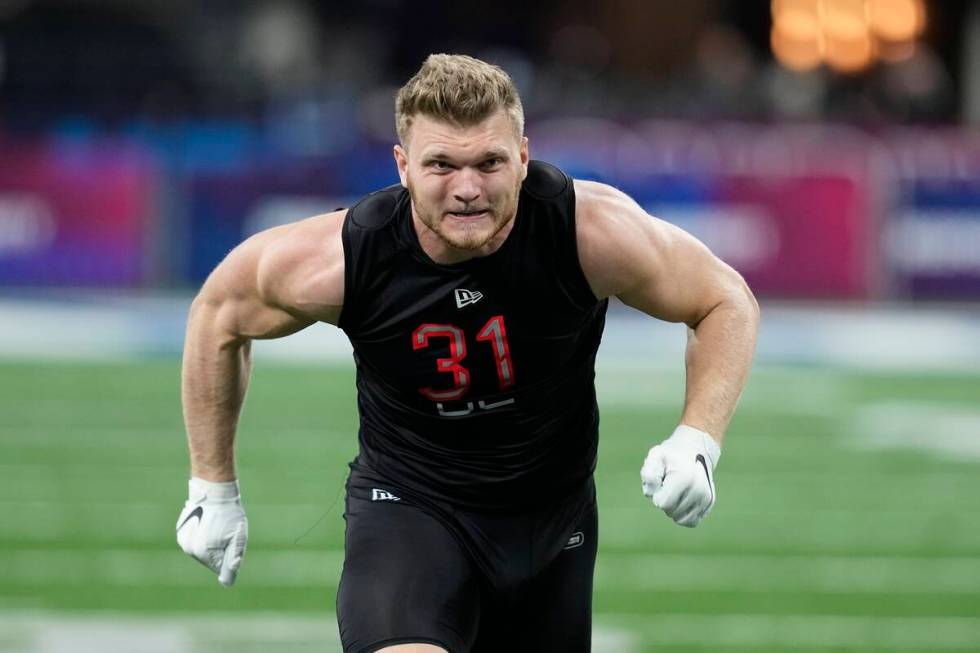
828, 149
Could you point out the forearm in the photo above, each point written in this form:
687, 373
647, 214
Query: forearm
719, 355
214, 379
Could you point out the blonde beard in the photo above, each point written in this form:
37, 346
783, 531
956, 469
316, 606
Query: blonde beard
465, 239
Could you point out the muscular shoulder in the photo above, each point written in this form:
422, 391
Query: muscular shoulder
301, 267
649, 264
615, 235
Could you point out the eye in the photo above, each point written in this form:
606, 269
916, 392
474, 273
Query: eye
490, 163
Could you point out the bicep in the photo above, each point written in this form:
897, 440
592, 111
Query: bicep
675, 277
649, 264
233, 303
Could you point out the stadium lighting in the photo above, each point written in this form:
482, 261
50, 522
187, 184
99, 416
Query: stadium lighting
896, 20
807, 6
850, 54
843, 19
797, 41
849, 36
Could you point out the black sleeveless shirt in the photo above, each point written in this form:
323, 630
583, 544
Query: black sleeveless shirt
475, 381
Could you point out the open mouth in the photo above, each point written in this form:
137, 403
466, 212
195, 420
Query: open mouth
467, 215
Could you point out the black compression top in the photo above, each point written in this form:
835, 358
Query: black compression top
475, 381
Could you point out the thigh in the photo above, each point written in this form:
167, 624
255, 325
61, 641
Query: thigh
405, 577
555, 610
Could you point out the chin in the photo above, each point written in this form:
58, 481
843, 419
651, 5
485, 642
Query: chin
468, 241
467, 236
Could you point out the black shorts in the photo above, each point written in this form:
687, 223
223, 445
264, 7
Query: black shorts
418, 570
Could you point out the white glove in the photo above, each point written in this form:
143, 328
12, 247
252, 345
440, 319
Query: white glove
678, 475
212, 527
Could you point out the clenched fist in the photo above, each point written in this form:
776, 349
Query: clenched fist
678, 475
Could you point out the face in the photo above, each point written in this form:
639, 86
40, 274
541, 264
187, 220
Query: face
464, 183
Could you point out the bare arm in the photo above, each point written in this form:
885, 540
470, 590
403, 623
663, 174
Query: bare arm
274, 284
667, 273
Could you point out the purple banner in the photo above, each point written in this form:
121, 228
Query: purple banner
933, 241
73, 217
805, 236
227, 209
811, 235
791, 208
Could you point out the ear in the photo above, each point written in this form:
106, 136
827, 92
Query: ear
525, 157
401, 161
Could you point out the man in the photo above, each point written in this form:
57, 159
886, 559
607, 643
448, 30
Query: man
474, 295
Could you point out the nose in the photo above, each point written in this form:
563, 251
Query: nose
466, 188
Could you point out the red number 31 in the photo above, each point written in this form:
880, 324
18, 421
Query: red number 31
492, 332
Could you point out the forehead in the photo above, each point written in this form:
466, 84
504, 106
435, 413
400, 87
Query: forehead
428, 135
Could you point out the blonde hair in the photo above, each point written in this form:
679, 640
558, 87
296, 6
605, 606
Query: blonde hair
458, 89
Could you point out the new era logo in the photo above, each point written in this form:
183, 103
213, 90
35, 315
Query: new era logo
383, 495
466, 297
575, 540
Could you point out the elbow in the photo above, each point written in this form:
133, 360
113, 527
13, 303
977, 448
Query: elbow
201, 304
748, 305
211, 319
204, 309
750, 300
735, 299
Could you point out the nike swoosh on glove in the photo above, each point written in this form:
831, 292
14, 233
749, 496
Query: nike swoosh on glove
678, 475
212, 527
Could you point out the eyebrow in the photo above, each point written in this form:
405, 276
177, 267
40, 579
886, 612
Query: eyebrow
439, 155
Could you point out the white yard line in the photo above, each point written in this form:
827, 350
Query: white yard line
117, 436
791, 574
41, 632
99, 633
126, 568
119, 327
648, 572
787, 632
774, 390
950, 431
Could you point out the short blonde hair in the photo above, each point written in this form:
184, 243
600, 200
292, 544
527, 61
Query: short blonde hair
458, 89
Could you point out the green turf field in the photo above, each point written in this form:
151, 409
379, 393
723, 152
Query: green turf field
846, 520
